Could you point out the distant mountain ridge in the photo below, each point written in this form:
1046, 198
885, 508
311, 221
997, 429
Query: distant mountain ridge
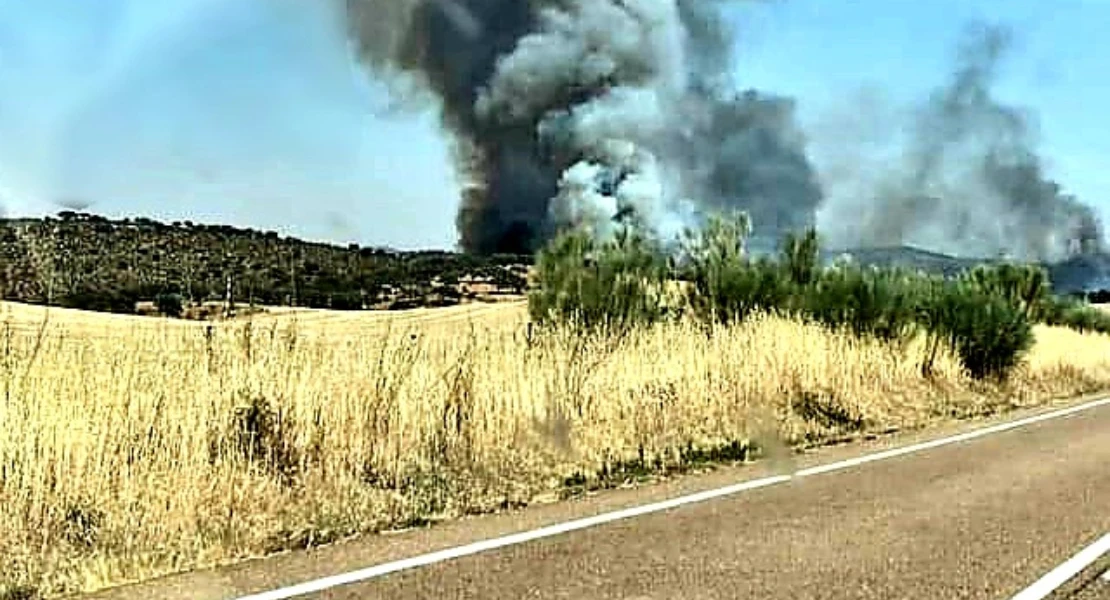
1078, 274
907, 256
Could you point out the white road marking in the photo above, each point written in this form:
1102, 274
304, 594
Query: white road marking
510, 540
1106, 576
963, 437
1063, 573
325, 583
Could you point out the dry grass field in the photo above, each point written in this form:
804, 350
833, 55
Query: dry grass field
132, 447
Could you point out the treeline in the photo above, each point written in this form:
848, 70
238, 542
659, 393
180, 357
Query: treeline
984, 315
90, 262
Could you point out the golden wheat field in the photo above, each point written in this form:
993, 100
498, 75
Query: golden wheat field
133, 447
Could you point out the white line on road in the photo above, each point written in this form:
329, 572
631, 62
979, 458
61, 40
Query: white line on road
510, 540
325, 583
1106, 576
1063, 573
963, 437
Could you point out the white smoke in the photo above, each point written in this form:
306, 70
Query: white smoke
626, 183
620, 132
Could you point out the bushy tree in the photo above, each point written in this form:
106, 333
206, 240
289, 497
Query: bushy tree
1098, 296
876, 303
984, 317
1075, 314
170, 304
726, 284
1025, 286
801, 257
611, 285
986, 330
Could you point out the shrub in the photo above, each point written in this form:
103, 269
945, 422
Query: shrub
1098, 297
727, 286
874, 303
1075, 314
987, 331
801, 257
984, 316
1029, 288
86, 297
348, 300
1024, 286
170, 305
592, 285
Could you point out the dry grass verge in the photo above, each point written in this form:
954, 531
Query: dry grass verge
132, 448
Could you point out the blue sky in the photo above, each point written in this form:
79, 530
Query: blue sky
251, 112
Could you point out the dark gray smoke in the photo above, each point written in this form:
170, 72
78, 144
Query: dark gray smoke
967, 178
580, 111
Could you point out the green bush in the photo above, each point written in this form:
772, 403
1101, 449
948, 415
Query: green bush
1025, 286
611, 285
987, 331
170, 305
984, 317
727, 286
875, 303
1075, 314
801, 257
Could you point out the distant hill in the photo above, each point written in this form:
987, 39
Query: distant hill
1080, 274
908, 257
1087, 273
87, 261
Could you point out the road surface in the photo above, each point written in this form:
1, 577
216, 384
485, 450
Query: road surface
981, 518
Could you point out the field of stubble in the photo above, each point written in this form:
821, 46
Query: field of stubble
134, 447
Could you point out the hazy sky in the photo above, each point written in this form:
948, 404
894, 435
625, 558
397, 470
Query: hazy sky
251, 112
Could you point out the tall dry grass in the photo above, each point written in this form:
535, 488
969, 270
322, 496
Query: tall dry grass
131, 448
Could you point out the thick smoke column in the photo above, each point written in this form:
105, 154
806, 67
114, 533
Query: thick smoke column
968, 180
566, 111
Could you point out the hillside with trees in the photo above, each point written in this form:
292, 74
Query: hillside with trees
86, 261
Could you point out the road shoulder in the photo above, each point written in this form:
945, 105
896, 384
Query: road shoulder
295, 567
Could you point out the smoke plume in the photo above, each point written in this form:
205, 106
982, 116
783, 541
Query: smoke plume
966, 179
596, 111
590, 111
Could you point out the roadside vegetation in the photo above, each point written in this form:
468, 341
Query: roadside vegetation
983, 317
131, 448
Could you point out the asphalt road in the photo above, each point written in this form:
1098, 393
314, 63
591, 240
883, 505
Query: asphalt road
978, 519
